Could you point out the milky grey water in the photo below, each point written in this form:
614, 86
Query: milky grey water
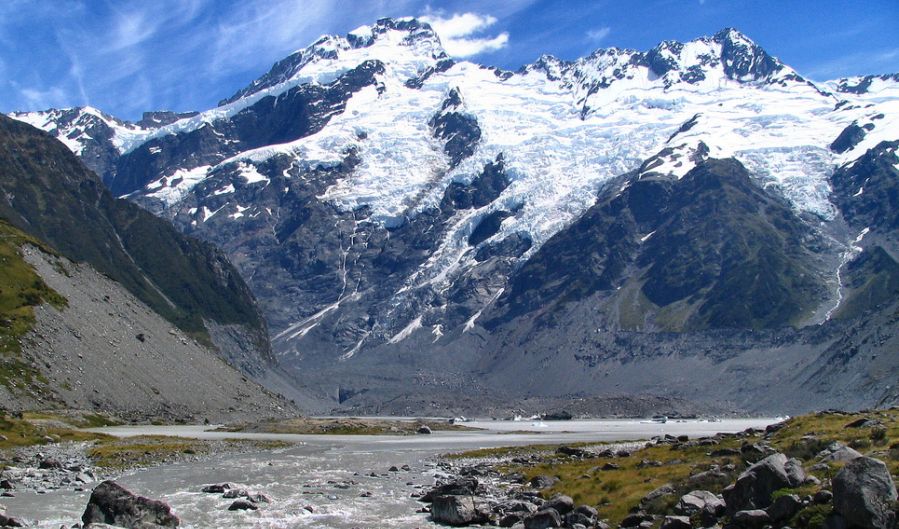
329, 473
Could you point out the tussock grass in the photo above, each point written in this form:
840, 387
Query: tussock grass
616, 492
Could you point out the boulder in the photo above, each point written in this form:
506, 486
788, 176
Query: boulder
110, 503
458, 510
543, 519
754, 486
542, 482
575, 452
784, 507
864, 422
635, 519
751, 519
50, 464
561, 503
217, 488
838, 452
458, 487
512, 518
9, 521
423, 429
242, 505
822, 497
577, 518
695, 501
261, 497
754, 452
235, 493
677, 522
864, 494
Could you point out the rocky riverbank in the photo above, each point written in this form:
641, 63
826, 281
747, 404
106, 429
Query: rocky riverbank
829, 470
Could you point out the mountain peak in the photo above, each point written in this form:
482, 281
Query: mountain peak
389, 40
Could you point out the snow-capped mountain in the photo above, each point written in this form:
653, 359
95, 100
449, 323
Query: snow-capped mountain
382, 198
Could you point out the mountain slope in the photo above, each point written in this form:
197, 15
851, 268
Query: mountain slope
709, 251
73, 338
49, 194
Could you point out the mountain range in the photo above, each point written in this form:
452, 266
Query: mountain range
696, 221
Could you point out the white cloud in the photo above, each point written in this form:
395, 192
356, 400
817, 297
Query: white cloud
599, 34
457, 33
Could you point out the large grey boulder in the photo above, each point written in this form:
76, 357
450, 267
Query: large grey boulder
754, 486
864, 494
751, 519
543, 519
459, 487
561, 503
110, 503
458, 510
695, 501
838, 452
784, 507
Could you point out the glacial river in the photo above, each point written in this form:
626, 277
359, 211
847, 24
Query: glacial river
329, 473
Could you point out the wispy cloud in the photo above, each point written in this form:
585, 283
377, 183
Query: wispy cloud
458, 33
882, 61
598, 35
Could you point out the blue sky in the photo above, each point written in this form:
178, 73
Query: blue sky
125, 56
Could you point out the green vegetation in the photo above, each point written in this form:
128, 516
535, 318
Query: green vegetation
18, 432
21, 289
615, 491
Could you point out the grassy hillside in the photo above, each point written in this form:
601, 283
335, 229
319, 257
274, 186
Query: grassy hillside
21, 289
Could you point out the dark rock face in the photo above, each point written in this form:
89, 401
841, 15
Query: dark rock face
161, 118
460, 131
112, 504
865, 495
851, 136
867, 191
714, 236
754, 487
861, 85
243, 505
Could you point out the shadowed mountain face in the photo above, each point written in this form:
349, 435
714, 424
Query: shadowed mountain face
417, 225
709, 251
50, 195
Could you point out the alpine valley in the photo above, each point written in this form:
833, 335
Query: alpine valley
693, 225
